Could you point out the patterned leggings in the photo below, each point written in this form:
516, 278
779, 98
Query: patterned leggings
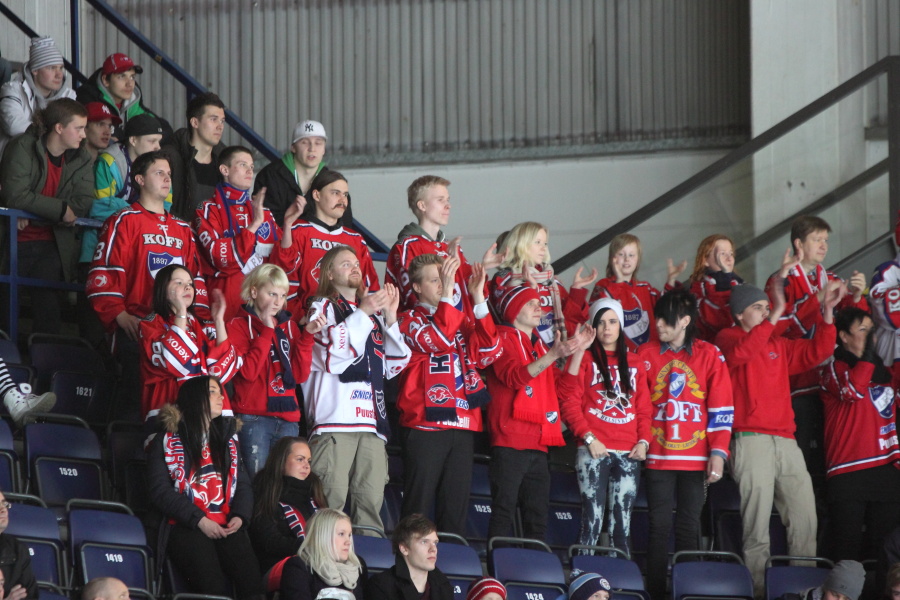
607, 481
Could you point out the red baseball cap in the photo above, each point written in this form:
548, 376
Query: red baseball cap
119, 63
97, 111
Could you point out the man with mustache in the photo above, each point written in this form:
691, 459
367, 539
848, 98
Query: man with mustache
306, 240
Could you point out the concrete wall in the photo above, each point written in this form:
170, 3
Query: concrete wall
801, 50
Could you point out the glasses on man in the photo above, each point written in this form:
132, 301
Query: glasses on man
5, 506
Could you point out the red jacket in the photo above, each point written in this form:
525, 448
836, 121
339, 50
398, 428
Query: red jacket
760, 362
431, 336
261, 374
690, 391
506, 377
229, 250
860, 425
638, 298
586, 408
171, 355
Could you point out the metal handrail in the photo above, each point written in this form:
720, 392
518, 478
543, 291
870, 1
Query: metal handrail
889, 65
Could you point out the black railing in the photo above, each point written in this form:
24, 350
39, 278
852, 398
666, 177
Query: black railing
889, 65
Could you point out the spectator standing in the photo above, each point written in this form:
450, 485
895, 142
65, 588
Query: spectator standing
194, 154
690, 391
46, 171
605, 403
711, 281
441, 392
637, 297
358, 349
767, 462
41, 81
524, 414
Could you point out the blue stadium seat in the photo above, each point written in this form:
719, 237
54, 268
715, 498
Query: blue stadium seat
461, 565
83, 394
393, 503
20, 374
9, 460
376, 551
108, 544
63, 462
9, 352
48, 357
564, 514
710, 578
36, 526
783, 579
623, 574
528, 573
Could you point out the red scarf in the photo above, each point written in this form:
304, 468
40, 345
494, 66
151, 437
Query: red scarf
538, 402
203, 485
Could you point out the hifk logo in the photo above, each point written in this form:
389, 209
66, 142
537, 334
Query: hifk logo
159, 260
472, 380
440, 394
277, 384
883, 399
676, 384
264, 231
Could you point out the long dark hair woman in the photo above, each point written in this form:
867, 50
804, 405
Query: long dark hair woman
287, 495
198, 486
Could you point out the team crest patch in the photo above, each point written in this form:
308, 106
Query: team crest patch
264, 231
676, 384
528, 391
439, 394
159, 260
883, 399
552, 416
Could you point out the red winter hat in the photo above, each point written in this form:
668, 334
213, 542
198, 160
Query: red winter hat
481, 588
513, 300
119, 63
97, 111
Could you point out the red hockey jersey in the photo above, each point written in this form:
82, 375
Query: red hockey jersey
309, 243
692, 408
638, 298
172, 355
133, 246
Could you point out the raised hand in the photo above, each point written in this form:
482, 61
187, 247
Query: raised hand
491, 259
476, 281
528, 275
259, 209
218, 306
582, 282
317, 324
856, 285
448, 274
674, 270
392, 303
453, 246
789, 261
372, 303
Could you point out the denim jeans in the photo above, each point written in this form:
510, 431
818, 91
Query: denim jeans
257, 436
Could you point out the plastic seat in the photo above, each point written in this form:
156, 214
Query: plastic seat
37, 527
83, 394
376, 551
528, 573
708, 578
564, 487
108, 544
784, 579
9, 352
624, 574
124, 444
20, 374
9, 460
461, 565
47, 357
563, 527
390, 509
63, 462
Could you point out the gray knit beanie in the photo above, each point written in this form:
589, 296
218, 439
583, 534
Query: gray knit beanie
847, 578
743, 296
44, 53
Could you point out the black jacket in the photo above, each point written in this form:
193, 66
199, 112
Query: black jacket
166, 503
298, 582
272, 538
282, 189
396, 584
185, 194
15, 563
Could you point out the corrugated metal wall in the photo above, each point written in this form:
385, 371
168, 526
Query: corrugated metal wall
883, 39
414, 78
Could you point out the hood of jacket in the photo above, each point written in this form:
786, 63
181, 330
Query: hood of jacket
170, 417
411, 229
